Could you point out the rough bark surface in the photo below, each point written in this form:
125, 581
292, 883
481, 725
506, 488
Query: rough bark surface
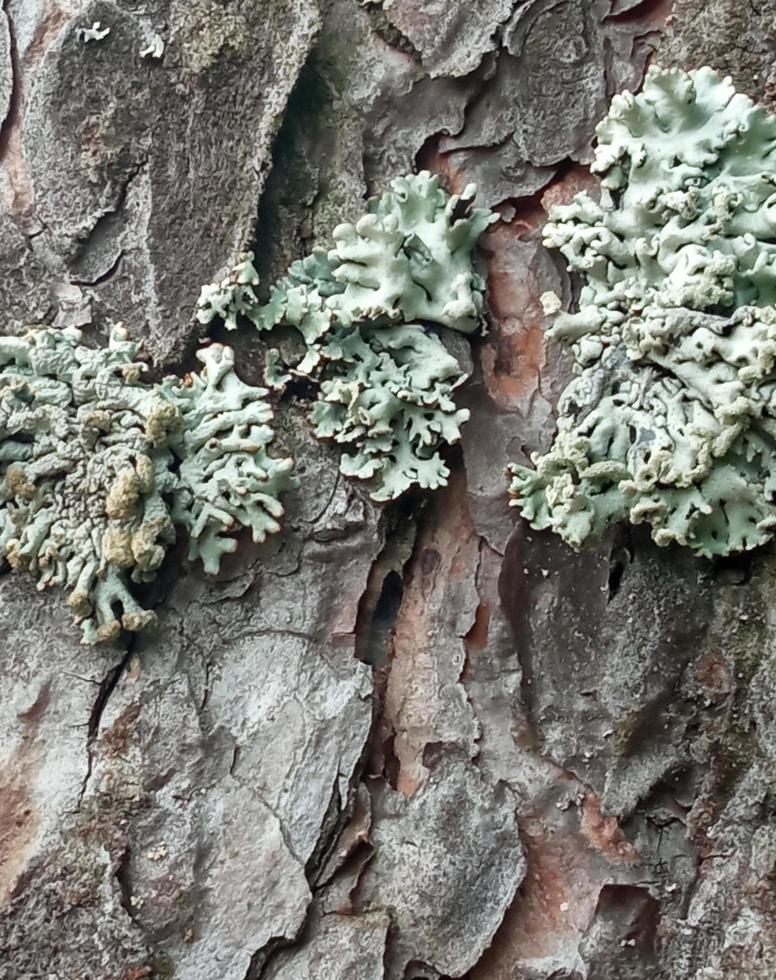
416, 742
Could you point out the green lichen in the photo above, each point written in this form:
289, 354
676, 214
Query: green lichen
97, 467
226, 477
387, 391
385, 382
672, 417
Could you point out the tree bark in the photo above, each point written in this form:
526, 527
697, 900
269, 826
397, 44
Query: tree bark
419, 741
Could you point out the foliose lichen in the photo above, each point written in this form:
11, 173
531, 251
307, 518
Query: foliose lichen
226, 476
385, 382
154, 49
97, 467
671, 419
94, 33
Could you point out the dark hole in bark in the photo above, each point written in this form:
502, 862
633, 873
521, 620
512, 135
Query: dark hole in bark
375, 652
620, 557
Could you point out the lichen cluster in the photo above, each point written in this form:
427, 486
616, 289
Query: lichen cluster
97, 467
226, 477
671, 419
384, 381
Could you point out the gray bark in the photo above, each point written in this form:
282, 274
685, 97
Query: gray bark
419, 741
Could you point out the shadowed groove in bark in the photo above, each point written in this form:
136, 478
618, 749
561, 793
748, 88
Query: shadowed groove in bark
107, 687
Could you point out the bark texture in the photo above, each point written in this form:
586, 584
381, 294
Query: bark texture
416, 742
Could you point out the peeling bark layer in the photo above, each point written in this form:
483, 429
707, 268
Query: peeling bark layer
418, 742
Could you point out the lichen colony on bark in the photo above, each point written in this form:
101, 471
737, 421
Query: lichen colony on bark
671, 418
98, 468
384, 382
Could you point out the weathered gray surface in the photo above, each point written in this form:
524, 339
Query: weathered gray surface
421, 742
139, 177
337, 946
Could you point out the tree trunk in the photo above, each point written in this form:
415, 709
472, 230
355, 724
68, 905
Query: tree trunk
412, 741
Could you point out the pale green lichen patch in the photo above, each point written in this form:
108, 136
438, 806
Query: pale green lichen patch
672, 418
385, 383
97, 467
387, 391
227, 478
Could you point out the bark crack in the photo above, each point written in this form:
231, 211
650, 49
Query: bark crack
106, 688
13, 114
